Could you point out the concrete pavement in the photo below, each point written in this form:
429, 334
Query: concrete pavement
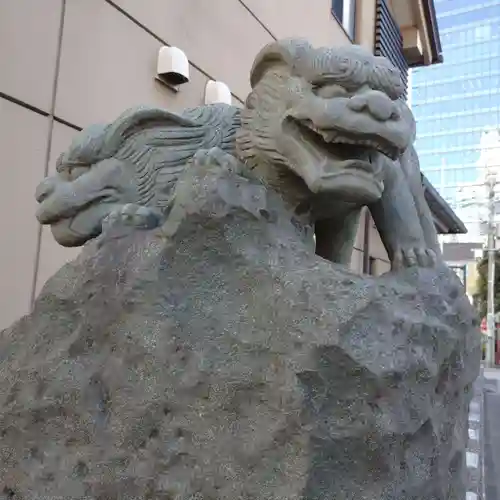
492, 434
474, 455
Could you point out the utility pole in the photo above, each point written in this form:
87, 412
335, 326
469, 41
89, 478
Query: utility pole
490, 317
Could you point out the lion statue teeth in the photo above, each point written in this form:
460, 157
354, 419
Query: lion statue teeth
326, 128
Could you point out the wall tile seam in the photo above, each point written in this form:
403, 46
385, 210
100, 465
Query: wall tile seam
23, 104
48, 146
62, 121
37, 110
385, 261
162, 41
254, 15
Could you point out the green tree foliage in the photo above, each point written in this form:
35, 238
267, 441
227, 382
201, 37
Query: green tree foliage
482, 284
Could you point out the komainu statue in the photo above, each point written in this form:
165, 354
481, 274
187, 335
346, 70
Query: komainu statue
204, 345
327, 129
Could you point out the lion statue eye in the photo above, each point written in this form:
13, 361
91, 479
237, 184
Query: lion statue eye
71, 172
329, 91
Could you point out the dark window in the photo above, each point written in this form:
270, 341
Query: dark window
338, 9
388, 40
345, 13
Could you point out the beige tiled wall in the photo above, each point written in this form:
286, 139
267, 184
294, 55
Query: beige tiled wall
357, 260
29, 32
107, 63
284, 18
376, 249
219, 36
23, 137
365, 22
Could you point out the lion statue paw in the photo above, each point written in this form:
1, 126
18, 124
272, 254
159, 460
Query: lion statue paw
418, 256
131, 215
216, 157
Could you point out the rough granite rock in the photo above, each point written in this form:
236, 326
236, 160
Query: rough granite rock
228, 361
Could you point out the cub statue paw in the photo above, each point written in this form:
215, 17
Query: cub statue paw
413, 256
216, 157
131, 215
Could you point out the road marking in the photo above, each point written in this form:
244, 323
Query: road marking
472, 460
470, 496
473, 434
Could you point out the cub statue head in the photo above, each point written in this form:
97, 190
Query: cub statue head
327, 116
137, 159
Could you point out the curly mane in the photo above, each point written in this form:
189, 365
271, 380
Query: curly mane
159, 144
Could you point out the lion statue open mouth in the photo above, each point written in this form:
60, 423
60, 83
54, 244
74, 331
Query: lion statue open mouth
326, 128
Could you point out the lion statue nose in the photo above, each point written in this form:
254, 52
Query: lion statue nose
380, 106
44, 189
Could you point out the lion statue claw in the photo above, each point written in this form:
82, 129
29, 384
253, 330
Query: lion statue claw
326, 128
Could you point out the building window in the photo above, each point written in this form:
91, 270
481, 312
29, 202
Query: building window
345, 12
388, 40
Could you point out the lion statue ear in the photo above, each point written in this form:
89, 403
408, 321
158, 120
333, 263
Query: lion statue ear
139, 118
290, 51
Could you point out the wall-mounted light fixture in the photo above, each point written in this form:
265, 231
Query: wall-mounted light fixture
172, 67
217, 92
